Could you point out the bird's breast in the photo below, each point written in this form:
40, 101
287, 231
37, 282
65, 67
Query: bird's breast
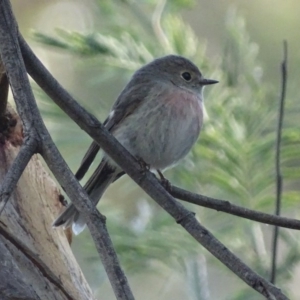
162, 131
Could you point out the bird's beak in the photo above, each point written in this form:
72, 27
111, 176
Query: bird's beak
205, 81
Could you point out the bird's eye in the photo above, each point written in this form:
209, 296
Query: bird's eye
186, 76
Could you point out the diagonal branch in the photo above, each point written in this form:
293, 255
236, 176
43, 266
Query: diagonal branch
33, 123
3, 91
277, 160
226, 206
148, 182
15, 171
95, 221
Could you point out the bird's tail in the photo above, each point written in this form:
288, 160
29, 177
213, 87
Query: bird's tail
95, 187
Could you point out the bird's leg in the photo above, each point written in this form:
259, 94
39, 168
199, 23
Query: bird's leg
164, 181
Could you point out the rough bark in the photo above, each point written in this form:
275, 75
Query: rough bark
36, 261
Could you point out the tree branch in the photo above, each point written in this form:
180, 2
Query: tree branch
277, 160
95, 221
33, 124
3, 92
16, 169
148, 182
227, 207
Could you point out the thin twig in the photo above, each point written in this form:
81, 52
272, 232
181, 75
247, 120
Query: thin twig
15, 171
33, 123
227, 207
148, 182
277, 159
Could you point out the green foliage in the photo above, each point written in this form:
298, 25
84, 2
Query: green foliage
234, 158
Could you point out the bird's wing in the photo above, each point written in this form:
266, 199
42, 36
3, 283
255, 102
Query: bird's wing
128, 101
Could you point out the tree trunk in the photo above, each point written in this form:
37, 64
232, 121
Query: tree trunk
36, 261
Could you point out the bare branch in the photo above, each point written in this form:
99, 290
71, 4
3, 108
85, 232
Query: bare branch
95, 221
3, 91
148, 182
226, 206
33, 123
29, 146
15, 171
277, 159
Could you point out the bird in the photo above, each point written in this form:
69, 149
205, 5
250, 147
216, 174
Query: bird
157, 117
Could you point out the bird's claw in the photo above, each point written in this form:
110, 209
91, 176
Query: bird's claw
164, 181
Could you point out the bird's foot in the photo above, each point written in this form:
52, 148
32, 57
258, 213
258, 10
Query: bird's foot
164, 181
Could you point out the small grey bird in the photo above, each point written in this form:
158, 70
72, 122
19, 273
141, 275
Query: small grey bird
157, 118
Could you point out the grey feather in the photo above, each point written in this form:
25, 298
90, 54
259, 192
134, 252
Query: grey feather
95, 187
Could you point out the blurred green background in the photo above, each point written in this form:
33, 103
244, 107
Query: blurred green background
93, 47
